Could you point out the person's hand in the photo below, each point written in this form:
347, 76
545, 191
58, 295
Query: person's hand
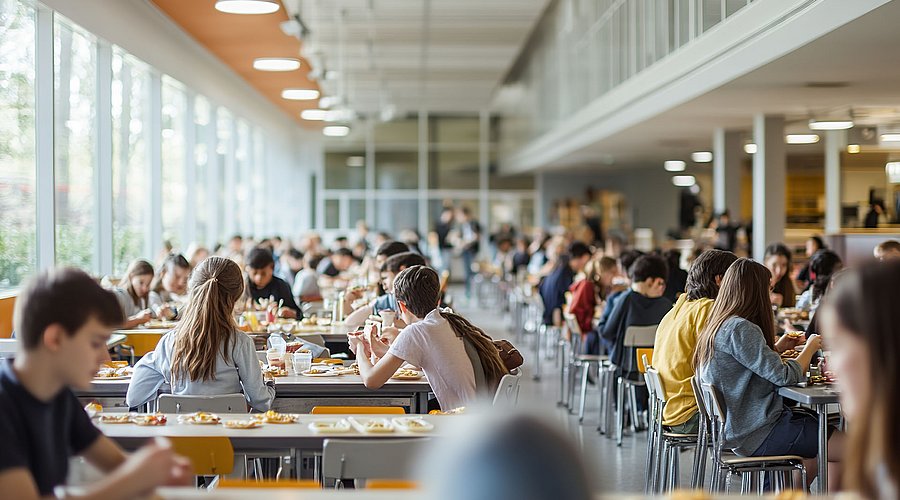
360, 347
157, 464
377, 346
389, 334
813, 343
399, 323
165, 312
788, 342
286, 312
353, 294
143, 316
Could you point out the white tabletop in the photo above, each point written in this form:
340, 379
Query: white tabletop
287, 493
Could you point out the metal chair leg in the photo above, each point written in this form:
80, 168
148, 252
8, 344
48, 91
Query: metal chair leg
585, 367
620, 411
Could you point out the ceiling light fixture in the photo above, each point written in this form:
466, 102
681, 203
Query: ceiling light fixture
801, 138
247, 6
750, 149
313, 114
702, 156
674, 166
890, 137
684, 180
276, 64
893, 171
356, 161
300, 94
853, 148
830, 124
336, 130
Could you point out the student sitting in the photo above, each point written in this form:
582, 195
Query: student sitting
291, 264
737, 352
433, 340
626, 261
778, 262
169, 287
263, 284
553, 288
822, 265
677, 279
133, 293
386, 302
676, 339
205, 354
887, 250
642, 305
862, 323
338, 262
306, 281
63, 320
588, 293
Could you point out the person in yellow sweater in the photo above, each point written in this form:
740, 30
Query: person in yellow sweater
676, 339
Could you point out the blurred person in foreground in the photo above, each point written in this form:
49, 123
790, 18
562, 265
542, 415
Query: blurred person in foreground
861, 322
505, 457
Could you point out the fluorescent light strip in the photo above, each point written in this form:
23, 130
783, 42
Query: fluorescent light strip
750, 149
702, 156
299, 94
674, 166
276, 64
247, 6
830, 124
314, 114
801, 138
336, 130
890, 137
684, 180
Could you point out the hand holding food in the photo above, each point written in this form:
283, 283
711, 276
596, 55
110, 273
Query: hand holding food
286, 312
143, 316
813, 343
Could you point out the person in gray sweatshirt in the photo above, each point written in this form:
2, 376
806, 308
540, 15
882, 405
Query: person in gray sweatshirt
738, 354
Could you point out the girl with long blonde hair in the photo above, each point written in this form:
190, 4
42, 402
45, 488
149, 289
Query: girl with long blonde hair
205, 354
738, 354
133, 293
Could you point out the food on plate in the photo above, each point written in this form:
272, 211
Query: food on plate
241, 424
93, 408
816, 379
372, 425
413, 424
328, 361
114, 372
122, 418
200, 418
794, 335
275, 371
310, 321
317, 371
114, 364
150, 420
407, 374
273, 417
455, 411
376, 426
332, 425
790, 354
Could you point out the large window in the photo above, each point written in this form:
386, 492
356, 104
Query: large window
75, 70
130, 163
173, 151
17, 175
204, 134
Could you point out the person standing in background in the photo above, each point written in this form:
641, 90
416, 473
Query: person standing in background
469, 243
442, 228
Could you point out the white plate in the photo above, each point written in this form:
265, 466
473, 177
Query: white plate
329, 373
362, 425
336, 426
403, 423
123, 377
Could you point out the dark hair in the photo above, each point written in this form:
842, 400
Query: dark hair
701, 279
627, 259
396, 263
419, 287
314, 261
172, 261
889, 245
864, 302
785, 286
820, 244
344, 252
341, 238
389, 248
237, 237
67, 297
297, 254
673, 257
260, 258
649, 266
139, 267
823, 263
578, 249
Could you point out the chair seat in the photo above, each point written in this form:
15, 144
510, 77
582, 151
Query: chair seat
590, 357
675, 435
738, 461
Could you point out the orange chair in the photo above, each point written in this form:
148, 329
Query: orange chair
391, 484
357, 410
641, 352
209, 455
249, 483
139, 342
7, 306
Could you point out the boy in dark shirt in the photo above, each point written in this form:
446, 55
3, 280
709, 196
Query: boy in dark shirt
264, 284
62, 321
554, 286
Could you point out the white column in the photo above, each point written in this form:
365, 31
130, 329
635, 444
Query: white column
769, 176
189, 229
484, 158
230, 177
153, 238
835, 142
424, 145
103, 183
727, 172
213, 176
370, 172
45, 180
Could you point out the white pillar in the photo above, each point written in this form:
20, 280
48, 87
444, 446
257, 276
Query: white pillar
727, 172
769, 176
154, 228
835, 142
45, 160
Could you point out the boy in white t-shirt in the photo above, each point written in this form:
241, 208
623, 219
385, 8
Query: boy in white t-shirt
434, 341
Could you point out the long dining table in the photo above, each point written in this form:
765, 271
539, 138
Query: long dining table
298, 393
818, 397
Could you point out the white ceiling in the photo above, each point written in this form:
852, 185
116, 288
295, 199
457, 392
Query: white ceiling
860, 54
400, 56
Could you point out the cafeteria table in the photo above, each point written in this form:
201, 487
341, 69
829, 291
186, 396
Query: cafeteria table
819, 397
297, 393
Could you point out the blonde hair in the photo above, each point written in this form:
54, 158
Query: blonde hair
208, 325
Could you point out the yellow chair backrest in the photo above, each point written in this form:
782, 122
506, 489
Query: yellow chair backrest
209, 455
250, 483
142, 343
391, 484
7, 306
641, 352
357, 410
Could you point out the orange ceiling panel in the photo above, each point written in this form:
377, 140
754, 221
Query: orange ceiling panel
239, 39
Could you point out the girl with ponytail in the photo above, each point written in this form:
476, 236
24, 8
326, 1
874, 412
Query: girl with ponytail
205, 354
823, 264
433, 340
